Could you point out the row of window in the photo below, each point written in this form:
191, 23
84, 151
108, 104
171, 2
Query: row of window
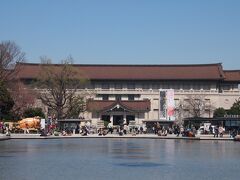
185, 86
156, 85
130, 97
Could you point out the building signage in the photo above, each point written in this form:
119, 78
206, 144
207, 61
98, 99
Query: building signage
162, 105
170, 105
167, 106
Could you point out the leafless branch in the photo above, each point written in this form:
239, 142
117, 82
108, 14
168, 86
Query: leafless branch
10, 55
60, 83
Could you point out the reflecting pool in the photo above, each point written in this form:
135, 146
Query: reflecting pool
101, 159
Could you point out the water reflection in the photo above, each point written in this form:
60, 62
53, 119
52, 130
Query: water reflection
141, 164
118, 159
123, 149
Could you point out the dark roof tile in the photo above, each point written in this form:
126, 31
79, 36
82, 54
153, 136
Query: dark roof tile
100, 105
136, 72
232, 75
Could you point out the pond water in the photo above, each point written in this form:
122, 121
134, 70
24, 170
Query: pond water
101, 159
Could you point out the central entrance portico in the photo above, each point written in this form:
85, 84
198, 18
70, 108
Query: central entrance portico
119, 112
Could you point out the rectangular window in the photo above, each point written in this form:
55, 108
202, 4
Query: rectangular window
206, 86
234, 86
105, 97
226, 87
155, 86
146, 86
118, 97
131, 86
186, 86
176, 86
118, 86
90, 86
177, 102
105, 86
131, 97
207, 101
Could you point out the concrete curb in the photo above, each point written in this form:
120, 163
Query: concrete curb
31, 136
5, 138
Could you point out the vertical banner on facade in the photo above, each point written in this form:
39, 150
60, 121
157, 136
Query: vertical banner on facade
170, 105
162, 105
166, 105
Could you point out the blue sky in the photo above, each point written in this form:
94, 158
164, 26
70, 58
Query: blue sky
125, 31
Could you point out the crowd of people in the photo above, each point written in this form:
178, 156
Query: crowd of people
219, 131
102, 131
124, 129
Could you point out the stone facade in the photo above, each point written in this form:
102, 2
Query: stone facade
215, 99
116, 84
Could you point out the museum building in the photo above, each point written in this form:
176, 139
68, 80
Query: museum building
138, 93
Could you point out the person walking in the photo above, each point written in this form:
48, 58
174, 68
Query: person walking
177, 131
221, 130
216, 131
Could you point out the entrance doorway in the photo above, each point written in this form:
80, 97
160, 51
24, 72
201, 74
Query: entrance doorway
130, 118
117, 120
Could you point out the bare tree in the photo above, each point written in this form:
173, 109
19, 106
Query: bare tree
76, 105
59, 84
10, 55
22, 96
197, 105
179, 114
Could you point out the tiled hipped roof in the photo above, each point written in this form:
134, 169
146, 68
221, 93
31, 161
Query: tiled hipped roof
232, 75
100, 105
137, 72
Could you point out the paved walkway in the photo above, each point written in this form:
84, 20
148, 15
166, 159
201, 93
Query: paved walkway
141, 136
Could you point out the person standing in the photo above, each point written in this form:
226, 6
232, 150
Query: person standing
221, 130
110, 129
182, 131
1, 127
141, 130
211, 129
216, 131
27, 130
125, 129
177, 130
7, 131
